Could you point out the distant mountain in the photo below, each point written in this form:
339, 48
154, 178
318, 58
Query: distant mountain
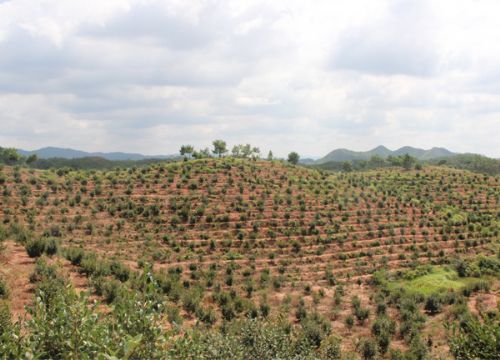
306, 161
382, 151
54, 152
422, 154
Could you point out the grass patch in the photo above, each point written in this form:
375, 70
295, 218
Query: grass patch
439, 280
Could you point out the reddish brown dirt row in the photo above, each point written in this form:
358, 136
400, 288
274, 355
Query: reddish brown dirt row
80, 282
16, 267
481, 303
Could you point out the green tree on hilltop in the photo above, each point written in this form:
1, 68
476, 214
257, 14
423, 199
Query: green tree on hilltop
408, 162
187, 150
293, 158
220, 147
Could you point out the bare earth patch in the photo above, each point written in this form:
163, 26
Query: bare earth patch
16, 267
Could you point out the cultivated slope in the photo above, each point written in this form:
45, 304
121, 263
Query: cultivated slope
258, 213
230, 238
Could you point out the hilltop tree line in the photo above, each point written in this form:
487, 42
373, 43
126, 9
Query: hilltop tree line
243, 151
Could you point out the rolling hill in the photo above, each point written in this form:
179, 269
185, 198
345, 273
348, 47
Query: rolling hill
65, 153
211, 243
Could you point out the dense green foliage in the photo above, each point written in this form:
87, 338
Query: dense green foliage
64, 325
37, 247
293, 158
10, 156
474, 339
4, 291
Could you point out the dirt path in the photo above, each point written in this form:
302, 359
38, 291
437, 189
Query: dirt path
16, 267
481, 303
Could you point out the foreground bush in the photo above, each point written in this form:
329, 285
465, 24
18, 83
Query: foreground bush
64, 325
5, 322
38, 247
255, 339
476, 340
35, 247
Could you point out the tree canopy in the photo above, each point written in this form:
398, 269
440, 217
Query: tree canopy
10, 156
186, 150
220, 147
293, 158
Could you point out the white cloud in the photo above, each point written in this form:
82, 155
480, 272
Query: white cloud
149, 75
399, 42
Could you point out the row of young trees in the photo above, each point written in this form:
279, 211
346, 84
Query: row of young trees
220, 149
133, 326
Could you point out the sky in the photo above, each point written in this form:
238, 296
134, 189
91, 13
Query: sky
310, 76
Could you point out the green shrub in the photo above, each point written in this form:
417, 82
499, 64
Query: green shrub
361, 313
475, 286
207, 316
412, 320
477, 267
74, 255
313, 330
92, 266
35, 247
396, 354
331, 348
349, 321
42, 271
433, 304
49, 281
51, 246
301, 312
111, 290
383, 329
5, 320
418, 349
265, 309
21, 235
228, 312
4, 290
119, 271
475, 340
368, 348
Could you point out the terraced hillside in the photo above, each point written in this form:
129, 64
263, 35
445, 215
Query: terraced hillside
229, 238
